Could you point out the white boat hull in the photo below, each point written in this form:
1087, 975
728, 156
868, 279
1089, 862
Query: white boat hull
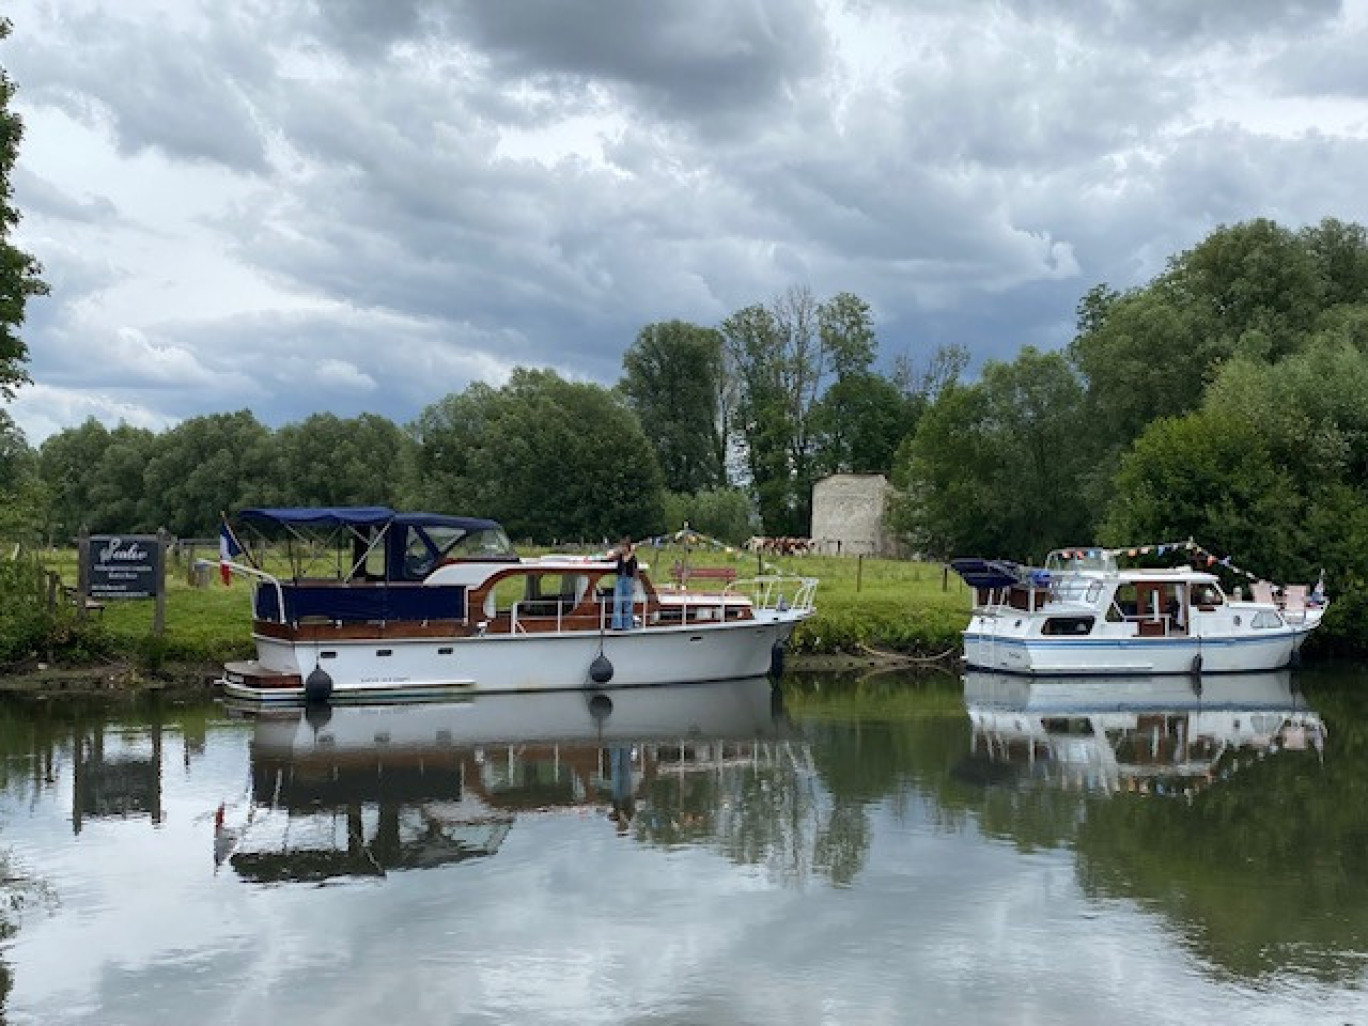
432, 667
1268, 650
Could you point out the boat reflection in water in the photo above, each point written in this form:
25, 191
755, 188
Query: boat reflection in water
1163, 735
360, 790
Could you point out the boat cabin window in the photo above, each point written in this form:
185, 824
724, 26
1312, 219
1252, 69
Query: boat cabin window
1073, 625
1266, 619
504, 595
536, 594
547, 594
368, 556
1074, 589
1125, 603
1207, 595
1079, 726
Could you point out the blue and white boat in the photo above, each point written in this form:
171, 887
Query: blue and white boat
1082, 614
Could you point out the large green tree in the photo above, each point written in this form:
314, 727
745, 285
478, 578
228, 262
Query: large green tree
993, 467
859, 423
326, 460
1210, 476
672, 380
1254, 290
551, 459
68, 463
783, 357
19, 272
1272, 469
206, 466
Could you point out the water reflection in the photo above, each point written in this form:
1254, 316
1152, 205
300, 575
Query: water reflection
697, 855
1169, 735
361, 790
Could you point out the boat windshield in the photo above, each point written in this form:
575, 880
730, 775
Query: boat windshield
428, 546
489, 543
1070, 560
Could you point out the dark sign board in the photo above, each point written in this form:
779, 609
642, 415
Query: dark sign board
124, 566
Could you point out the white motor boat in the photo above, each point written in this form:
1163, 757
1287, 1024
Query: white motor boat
422, 605
1081, 614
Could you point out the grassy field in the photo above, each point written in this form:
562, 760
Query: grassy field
887, 604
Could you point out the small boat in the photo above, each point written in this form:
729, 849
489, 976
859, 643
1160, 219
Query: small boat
365, 789
1155, 735
416, 605
1082, 614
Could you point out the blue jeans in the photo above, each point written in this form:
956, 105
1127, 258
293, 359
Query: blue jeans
624, 591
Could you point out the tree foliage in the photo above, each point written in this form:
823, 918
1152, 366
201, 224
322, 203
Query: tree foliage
19, 272
21, 492
327, 460
783, 357
722, 513
1254, 290
993, 467
672, 380
206, 466
551, 459
859, 423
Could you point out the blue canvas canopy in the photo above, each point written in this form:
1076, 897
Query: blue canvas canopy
988, 573
413, 544
356, 516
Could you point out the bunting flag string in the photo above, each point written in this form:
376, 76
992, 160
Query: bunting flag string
1203, 556
690, 538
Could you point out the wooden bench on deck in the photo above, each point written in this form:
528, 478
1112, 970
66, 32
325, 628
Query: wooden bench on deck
683, 574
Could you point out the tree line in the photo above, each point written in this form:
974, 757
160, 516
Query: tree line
1223, 400
723, 428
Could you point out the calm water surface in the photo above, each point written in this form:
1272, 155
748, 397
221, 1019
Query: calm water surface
883, 850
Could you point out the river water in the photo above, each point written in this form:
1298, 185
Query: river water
890, 849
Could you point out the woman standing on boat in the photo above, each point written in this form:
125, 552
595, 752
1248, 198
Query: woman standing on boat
624, 591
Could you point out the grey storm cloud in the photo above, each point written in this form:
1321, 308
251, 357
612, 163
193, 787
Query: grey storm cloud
394, 199
159, 87
704, 60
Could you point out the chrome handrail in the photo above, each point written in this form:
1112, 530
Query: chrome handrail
258, 578
775, 592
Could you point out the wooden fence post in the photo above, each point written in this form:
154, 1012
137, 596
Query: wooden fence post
159, 575
82, 573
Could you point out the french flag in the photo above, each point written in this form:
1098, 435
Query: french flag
229, 549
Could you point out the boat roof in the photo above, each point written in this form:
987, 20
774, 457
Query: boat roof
356, 516
987, 573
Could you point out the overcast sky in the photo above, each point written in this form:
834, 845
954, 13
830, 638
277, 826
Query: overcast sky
363, 205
